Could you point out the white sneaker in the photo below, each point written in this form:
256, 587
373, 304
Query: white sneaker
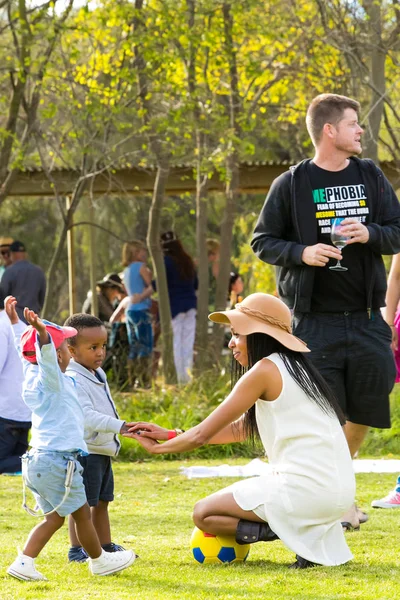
111, 562
24, 568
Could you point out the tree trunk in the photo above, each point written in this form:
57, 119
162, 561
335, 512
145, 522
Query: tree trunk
157, 256
67, 222
153, 234
226, 245
203, 357
232, 173
50, 275
378, 80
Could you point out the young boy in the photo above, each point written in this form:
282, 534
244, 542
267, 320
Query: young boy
57, 440
102, 424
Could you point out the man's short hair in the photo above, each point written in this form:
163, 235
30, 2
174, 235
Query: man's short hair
82, 321
327, 108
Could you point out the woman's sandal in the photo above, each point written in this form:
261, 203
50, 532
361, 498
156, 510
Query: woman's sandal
349, 527
302, 563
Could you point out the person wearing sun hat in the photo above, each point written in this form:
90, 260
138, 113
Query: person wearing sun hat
5, 256
108, 291
279, 398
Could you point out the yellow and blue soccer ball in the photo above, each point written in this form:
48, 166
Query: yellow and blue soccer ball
216, 549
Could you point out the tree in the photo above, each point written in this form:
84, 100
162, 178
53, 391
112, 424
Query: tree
32, 33
161, 154
368, 35
202, 178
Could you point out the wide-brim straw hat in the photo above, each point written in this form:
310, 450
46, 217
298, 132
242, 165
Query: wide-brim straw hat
262, 313
111, 280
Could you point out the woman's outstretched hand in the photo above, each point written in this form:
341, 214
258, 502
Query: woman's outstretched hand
147, 430
147, 443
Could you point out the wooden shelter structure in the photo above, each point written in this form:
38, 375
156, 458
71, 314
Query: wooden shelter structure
254, 178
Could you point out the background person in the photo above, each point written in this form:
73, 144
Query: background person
23, 280
182, 285
392, 304
337, 313
109, 290
137, 280
5, 258
392, 318
235, 290
281, 398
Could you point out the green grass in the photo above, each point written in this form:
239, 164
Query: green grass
152, 515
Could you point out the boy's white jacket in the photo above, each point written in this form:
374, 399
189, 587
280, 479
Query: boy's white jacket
101, 420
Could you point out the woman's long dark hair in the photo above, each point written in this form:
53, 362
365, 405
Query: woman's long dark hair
183, 261
260, 345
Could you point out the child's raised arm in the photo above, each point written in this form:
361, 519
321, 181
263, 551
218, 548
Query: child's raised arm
33, 319
10, 304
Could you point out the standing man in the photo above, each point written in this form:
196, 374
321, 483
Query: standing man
337, 312
5, 258
23, 280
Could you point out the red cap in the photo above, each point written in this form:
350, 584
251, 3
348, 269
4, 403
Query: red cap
58, 335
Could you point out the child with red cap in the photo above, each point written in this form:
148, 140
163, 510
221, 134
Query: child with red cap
57, 440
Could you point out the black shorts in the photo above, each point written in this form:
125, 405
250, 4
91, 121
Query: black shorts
98, 478
353, 354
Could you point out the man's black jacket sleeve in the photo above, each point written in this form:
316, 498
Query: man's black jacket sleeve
384, 238
274, 235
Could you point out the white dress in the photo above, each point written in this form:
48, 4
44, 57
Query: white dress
312, 481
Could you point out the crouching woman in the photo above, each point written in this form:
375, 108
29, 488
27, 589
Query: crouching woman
280, 398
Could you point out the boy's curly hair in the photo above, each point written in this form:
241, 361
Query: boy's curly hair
81, 321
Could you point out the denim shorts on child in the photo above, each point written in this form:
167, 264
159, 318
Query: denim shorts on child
44, 474
98, 478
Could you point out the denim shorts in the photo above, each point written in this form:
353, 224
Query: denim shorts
98, 478
352, 352
44, 474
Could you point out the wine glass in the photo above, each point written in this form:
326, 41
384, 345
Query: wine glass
339, 240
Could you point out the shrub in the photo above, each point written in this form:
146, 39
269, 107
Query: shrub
185, 407
182, 407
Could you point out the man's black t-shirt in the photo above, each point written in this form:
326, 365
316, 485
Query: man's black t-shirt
339, 194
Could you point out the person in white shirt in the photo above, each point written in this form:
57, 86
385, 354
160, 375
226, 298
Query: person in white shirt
15, 416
